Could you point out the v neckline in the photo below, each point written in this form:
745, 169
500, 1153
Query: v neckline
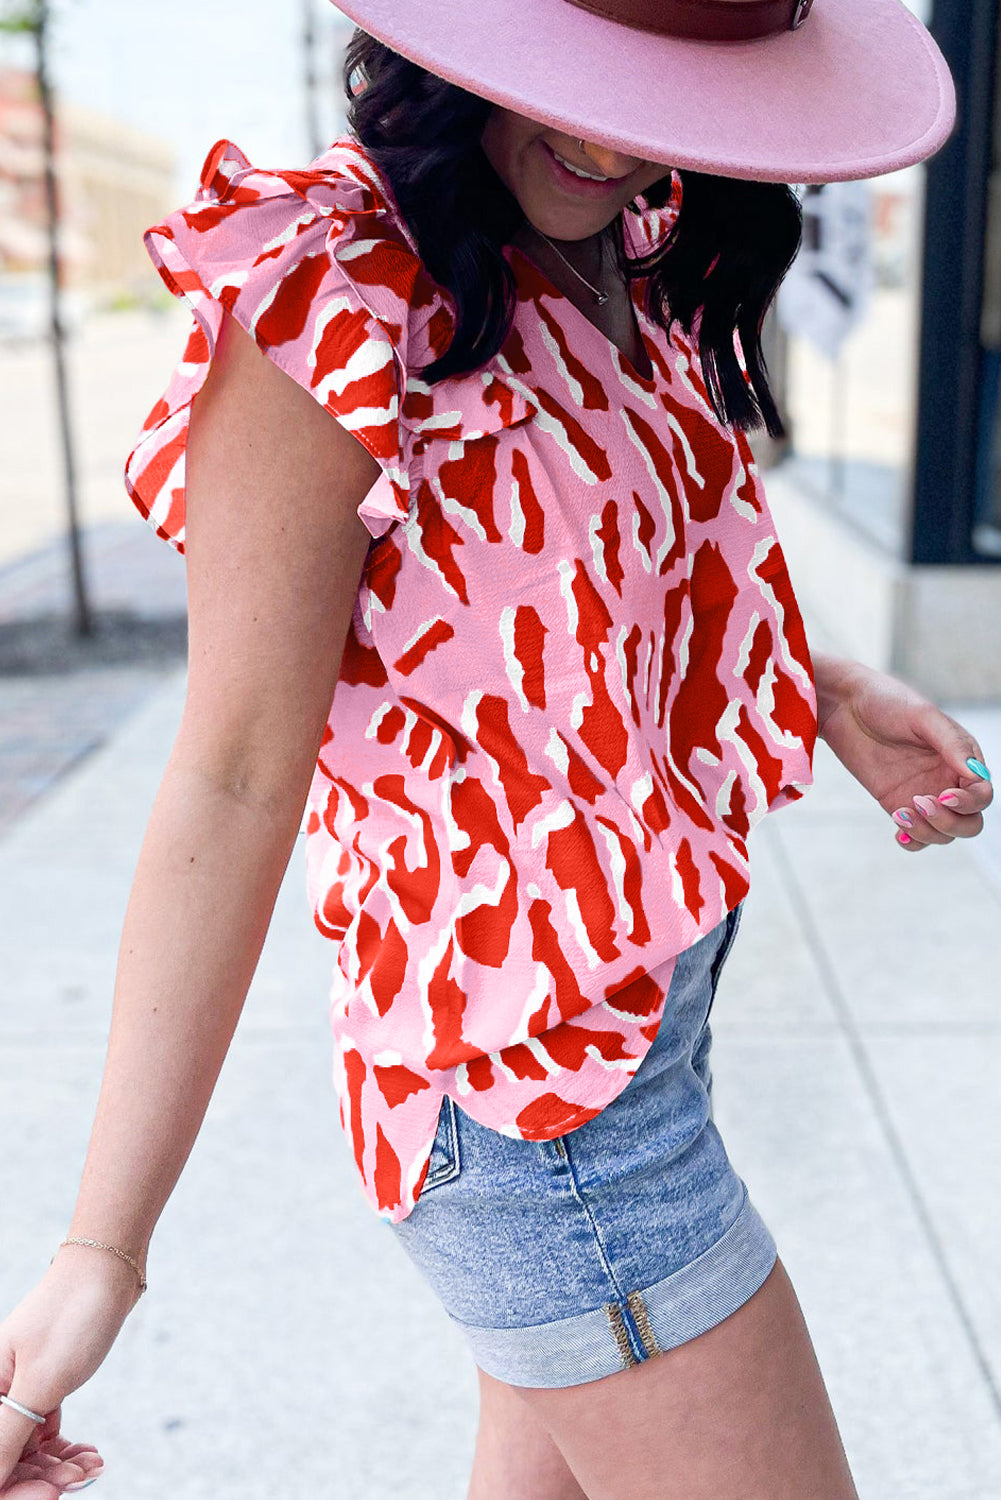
648, 382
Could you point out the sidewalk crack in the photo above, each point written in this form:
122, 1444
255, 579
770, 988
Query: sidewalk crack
878, 1101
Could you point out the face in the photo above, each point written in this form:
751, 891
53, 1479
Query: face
543, 168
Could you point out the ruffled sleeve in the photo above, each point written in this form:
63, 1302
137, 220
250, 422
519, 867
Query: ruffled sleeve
318, 266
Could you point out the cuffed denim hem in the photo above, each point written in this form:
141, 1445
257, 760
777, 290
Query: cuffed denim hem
572, 1351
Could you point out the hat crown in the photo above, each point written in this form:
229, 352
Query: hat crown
762, 90
703, 20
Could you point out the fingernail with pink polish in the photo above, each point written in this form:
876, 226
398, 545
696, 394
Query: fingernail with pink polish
925, 806
948, 798
903, 816
904, 838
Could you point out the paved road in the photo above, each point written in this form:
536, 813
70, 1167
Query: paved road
61, 699
119, 365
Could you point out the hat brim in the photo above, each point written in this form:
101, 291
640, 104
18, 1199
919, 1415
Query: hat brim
860, 89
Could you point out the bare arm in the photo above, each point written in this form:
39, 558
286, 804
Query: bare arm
275, 551
274, 554
833, 676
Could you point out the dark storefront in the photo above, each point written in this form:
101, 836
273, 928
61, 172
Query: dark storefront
895, 453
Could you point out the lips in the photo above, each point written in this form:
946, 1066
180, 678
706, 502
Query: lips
581, 187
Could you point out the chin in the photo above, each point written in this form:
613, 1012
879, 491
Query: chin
560, 224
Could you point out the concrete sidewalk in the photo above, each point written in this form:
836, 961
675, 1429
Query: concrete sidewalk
287, 1347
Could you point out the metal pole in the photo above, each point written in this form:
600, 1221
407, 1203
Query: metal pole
839, 396
83, 622
775, 348
310, 79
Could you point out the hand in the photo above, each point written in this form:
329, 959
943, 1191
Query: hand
908, 754
52, 1342
53, 1468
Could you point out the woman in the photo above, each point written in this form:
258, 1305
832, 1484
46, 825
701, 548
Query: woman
516, 629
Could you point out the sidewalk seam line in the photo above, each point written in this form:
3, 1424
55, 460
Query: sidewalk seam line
880, 1106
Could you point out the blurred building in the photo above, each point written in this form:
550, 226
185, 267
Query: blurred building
114, 181
888, 494
340, 32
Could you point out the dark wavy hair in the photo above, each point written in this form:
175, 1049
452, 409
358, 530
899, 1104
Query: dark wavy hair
717, 273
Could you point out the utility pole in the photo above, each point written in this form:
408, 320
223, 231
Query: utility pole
310, 79
82, 617
32, 19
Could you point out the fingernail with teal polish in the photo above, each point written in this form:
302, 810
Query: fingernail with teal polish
978, 768
71, 1489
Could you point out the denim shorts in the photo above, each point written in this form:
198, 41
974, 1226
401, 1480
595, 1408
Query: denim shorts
564, 1261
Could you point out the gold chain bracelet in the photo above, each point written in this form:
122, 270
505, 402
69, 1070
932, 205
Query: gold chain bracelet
74, 1240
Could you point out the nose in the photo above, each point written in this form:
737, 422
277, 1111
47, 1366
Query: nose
611, 163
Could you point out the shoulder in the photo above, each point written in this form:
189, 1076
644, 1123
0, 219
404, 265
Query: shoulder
317, 265
281, 245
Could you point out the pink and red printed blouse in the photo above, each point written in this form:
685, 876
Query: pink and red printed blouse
576, 675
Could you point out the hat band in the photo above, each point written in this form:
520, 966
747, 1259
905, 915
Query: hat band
704, 20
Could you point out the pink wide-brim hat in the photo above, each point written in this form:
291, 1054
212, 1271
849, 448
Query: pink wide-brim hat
786, 91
